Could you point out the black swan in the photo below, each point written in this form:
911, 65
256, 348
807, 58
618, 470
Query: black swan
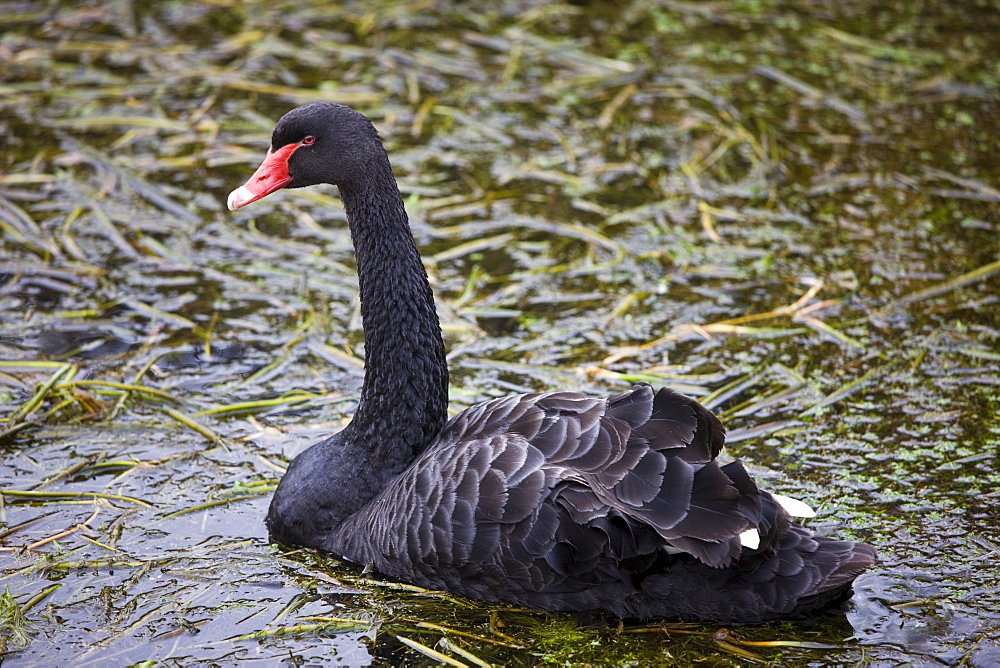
556, 500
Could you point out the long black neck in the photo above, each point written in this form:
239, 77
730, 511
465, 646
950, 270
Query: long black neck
404, 399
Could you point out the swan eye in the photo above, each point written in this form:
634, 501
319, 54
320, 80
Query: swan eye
309, 140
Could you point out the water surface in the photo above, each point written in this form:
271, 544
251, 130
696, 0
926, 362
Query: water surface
789, 210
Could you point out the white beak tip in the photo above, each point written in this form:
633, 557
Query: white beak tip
239, 197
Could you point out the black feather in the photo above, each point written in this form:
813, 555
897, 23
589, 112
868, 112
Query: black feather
556, 500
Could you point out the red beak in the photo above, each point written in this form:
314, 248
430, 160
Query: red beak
270, 176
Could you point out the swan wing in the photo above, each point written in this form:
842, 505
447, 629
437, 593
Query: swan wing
539, 486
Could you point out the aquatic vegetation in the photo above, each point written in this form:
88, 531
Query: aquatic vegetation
787, 211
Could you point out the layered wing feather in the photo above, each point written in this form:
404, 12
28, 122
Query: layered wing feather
521, 469
567, 501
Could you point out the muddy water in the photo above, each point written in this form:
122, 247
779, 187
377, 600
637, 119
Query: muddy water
788, 211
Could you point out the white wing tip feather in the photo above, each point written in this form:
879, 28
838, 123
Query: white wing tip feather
793, 507
750, 538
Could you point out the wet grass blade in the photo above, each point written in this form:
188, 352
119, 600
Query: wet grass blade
189, 422
297, 629
845, 390
767, 401
157, 314
260, 405
39, 597
57, 496
217, 503
756, 431
799, 86
820, 326
70, 470
92, 122
122, 386
980, 274
431, 653
730, 389
444, 643
304, 95
464, 634
16, 222
469, 247
67, 532
729, 647
24, 525
43, 391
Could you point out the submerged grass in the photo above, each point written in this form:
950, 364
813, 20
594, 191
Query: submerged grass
14, 633
788, 211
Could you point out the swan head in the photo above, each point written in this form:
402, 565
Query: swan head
312, 144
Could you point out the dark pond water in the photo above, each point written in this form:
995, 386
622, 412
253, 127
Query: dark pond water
789, 210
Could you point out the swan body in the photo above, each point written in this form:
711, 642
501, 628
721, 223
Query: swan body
554, 500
